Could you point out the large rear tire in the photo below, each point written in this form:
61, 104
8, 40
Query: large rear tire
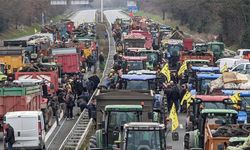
92, 142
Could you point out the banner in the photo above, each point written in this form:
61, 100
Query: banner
187, 97
182, 68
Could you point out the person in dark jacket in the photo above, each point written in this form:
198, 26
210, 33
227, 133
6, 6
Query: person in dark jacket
167, 92
10, 136
101, 61
175, 95
55, 108
70, 103
92, 109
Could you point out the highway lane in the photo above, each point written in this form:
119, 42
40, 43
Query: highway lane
111, 15
60, 132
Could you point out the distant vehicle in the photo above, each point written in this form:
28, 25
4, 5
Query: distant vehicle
29, 129
242, 68
243, 53
231, 62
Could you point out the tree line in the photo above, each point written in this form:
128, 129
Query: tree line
229, 18
14, 13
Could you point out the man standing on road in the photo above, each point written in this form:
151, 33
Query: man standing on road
55, 108
101, 61
10, 136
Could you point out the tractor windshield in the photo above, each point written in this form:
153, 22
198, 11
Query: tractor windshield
137, 85
174, 49
117, 119
135, 65
144, 140
152, 56
134, 43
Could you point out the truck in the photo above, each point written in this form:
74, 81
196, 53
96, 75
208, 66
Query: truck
20, 99
199, 138
243, 68
13, 58
114, 109
68, 58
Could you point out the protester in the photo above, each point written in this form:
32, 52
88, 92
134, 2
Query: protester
70, 103
55, 108
175, 95
92, 109
10, 136
101, 61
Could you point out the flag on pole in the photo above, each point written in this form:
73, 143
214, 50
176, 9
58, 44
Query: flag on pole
165, 70
235, 99
224, 68
174, 117
182, 68
187, 97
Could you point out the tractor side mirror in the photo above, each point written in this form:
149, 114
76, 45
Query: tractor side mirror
150, 115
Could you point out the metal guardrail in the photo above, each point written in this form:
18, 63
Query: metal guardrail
79, 140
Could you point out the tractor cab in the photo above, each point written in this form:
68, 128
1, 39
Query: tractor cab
202, 81
138, 82
217, 48
133, 63
213, 116
201, 102
142, 136
201, 47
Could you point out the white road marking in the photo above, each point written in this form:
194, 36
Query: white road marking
181, 126
53, 128
56, 134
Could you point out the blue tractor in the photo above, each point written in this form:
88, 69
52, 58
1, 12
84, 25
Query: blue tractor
244, 112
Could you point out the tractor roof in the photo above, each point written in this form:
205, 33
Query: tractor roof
141, 77
123, 108
243, 93
215, 42
205, 69
142, 72
208, 76
219, 111
144, 125
134, 58
208, 98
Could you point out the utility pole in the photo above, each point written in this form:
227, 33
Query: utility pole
101, 10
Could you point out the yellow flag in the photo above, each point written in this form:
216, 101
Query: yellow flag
187, 97
174, 117
224, 68
235, 99
35, 30
165, 70
182, 68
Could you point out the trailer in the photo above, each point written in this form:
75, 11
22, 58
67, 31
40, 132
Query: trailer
51, 78
68, 58
20, 99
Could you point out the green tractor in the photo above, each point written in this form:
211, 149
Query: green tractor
196, 139
115, 116
127, 106
142, 136
217, 48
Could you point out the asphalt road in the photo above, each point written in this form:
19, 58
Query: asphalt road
60, 133
83, 16
111, 16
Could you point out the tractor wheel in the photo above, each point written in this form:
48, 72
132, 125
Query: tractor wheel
92, 142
